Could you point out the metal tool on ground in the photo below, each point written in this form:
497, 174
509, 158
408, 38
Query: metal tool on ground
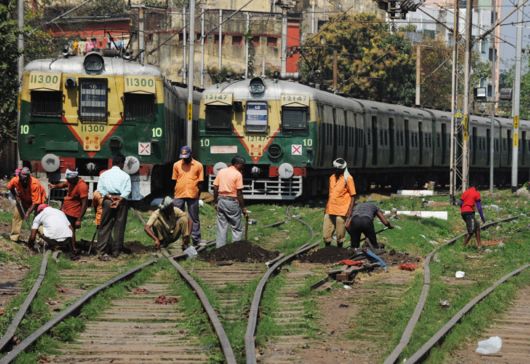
92, 241
248, 221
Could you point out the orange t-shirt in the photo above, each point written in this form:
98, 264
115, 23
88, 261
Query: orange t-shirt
229, 180
34, 194
340, 195
73, 198
188, 177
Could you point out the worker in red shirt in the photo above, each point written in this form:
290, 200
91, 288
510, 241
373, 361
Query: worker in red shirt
471, 198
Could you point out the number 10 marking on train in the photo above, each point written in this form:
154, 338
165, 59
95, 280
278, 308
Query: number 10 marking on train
156, 132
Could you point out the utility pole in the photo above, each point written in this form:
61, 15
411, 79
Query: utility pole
220, 50
191, 73
418, 75
247, 43
202, 47
184, 46
141, 32
335, 70
517, 94
454, 103
284, 7
467, 87
20, 48
493, 94
313, 25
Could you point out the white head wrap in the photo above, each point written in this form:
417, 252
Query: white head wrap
166, 203
71, 174
340, 163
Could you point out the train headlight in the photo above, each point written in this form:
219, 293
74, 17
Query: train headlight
132, 165
94, 63
275, 151
256, 86
286, 170
50, 162
218, 166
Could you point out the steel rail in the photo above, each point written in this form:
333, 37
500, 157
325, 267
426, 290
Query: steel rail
250, 342
13, 326
440, 334
70, 310
210, 311
409, 329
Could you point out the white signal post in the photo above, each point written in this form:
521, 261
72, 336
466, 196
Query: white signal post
517, 93
191, 59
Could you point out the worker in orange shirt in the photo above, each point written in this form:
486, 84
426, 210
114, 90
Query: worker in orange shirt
340, 203
188, 174
29, 193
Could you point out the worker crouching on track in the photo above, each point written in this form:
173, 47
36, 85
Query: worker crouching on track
115, 187
471, 198
28, 193
188, 174
53, 227
362, 221
340, 203
228, 200
166, 224
76, 200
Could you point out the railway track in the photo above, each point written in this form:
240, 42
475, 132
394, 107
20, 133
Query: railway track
409, 329
146, 325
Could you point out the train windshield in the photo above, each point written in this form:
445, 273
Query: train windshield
294, 118
139, 107
218, 117
257, 116
46, 103
93, 99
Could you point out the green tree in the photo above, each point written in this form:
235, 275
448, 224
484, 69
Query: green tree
37, 45
373, 63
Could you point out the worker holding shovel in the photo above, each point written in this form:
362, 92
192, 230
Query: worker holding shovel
362, 221
28, 193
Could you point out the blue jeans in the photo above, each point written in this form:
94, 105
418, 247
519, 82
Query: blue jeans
193, 213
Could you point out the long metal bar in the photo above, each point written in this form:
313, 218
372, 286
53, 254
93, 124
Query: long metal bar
191, 74
409, 329
517, 94
467, 86
210, 311
250, 342
440, 334
13, 326
70, 310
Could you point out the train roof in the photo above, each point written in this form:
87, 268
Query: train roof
113, 66
392, 108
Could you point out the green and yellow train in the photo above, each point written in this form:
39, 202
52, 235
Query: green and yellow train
77, 112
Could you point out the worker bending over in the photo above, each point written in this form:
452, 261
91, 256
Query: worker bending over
471, 198
166, 224
28, 193
340, 202
53, 227
228, 200
362, 221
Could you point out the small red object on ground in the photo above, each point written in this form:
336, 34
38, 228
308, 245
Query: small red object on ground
408, 266
166, 300
350, 262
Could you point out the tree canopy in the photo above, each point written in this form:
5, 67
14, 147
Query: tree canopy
373, 62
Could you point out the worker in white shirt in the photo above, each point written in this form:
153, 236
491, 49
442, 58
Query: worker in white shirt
115, 187
53, 227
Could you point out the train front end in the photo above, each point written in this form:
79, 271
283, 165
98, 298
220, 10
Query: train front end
269, 124
77, 112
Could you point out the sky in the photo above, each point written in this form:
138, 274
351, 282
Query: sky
508, 32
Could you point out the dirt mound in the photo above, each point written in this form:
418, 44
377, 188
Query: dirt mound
395, 258
239, 251
328, 254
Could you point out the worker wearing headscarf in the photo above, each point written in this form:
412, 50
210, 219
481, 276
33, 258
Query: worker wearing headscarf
340, 202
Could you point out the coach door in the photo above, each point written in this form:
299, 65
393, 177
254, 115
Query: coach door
375, 142
407, 142
420, 136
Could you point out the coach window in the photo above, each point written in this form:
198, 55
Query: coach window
139, 107
46, 103
219, 117
294, 119
257, 116
93, 99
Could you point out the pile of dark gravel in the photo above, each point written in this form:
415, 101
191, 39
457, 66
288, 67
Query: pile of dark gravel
239, 251
328, 254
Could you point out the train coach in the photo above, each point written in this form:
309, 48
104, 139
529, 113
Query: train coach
77, 112
290, 133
